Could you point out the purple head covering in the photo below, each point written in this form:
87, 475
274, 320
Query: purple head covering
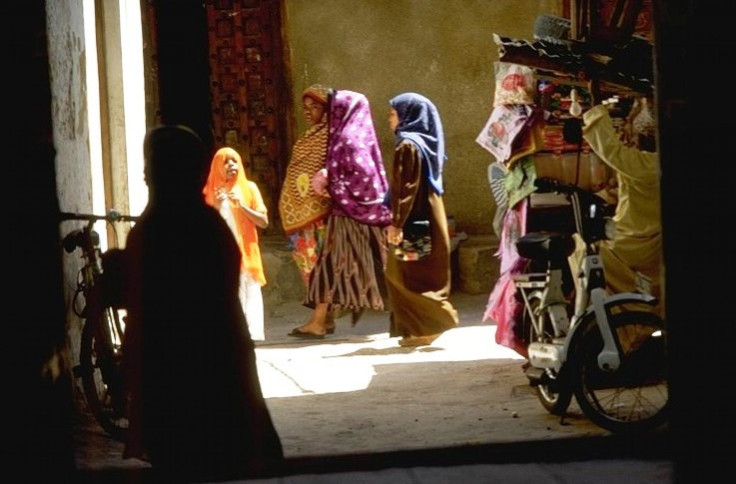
357, 177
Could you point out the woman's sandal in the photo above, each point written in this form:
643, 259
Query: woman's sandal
298, 333
418, 340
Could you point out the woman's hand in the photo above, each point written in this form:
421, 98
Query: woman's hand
319, 183
394, 235
234, 198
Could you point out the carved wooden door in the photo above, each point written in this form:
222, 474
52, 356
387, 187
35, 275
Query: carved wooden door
248, 90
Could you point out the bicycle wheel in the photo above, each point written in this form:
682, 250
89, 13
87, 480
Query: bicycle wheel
554, 395
635, 397
101, 370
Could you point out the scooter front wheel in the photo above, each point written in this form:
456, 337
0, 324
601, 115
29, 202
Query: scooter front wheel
635, 396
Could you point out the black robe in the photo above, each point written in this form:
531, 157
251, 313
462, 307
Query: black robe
196, 406
419, 290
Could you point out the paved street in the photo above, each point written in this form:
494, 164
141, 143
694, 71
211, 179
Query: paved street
358, 393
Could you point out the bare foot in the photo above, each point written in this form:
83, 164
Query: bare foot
309, 331
317, 324
314, 328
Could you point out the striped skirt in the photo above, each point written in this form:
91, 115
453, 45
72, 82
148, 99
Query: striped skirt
350, 264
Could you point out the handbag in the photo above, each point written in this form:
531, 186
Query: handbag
417, 241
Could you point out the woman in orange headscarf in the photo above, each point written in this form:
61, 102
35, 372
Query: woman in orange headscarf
240, 203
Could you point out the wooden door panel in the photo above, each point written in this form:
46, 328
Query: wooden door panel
247, 88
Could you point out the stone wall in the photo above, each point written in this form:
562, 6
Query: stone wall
441, 48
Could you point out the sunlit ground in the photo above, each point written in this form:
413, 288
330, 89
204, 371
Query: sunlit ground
318, 368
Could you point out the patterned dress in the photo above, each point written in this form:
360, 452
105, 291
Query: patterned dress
302, 211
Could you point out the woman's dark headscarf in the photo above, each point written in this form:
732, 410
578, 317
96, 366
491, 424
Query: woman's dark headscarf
419, 122
175, 164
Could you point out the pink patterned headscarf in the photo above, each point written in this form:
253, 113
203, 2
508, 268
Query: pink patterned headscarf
356, 175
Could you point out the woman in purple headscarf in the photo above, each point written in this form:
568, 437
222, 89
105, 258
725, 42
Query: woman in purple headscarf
418, 289
352, 260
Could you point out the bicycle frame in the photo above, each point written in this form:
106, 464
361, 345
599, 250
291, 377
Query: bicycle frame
100, 355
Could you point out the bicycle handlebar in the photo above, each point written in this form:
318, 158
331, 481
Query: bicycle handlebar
111, 216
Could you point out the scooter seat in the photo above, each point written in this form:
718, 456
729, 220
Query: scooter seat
545, 246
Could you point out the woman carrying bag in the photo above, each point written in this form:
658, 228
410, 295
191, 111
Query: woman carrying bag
418, 272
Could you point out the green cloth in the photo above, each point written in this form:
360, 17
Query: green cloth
520, 180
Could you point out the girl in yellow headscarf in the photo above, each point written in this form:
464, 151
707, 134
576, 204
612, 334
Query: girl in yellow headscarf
240, 203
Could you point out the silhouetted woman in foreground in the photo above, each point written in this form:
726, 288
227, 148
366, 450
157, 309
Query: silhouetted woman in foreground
196, 409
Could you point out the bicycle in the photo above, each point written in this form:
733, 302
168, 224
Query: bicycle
606, 350
99, 284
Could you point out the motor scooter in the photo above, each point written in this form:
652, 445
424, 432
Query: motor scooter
608, 350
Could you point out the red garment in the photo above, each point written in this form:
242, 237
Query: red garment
504, 306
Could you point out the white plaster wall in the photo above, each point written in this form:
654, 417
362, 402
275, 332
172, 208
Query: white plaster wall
71, 132
68, 104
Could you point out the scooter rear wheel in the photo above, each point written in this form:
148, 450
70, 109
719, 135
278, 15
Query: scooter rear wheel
552, 392
635, 396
